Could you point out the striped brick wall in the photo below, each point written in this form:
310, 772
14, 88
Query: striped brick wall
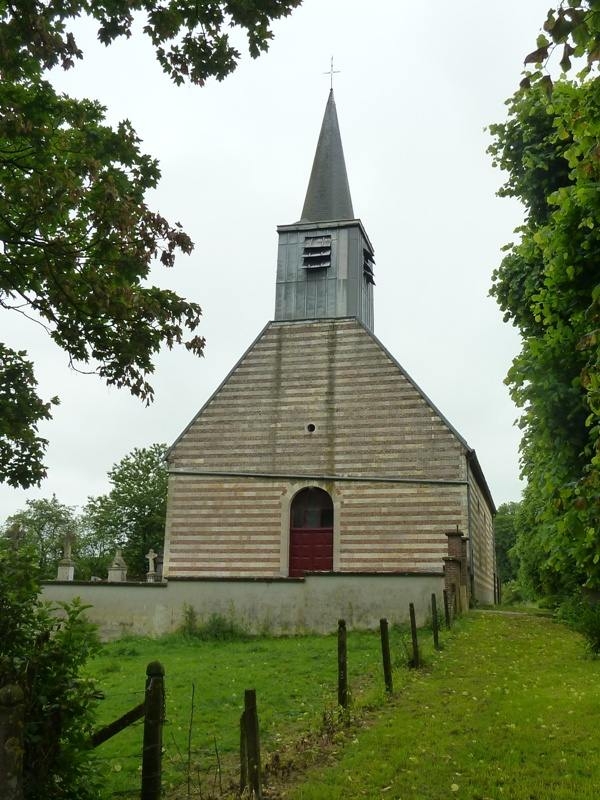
369, 419
223, 526
226, 526
396, 527
395, 469
481, 540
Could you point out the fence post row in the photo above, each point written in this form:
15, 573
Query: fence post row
434, 622
250, 768
342, 665
385, 654
153, 722
11, 742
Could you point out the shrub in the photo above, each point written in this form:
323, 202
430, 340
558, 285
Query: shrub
43, 650
512, 593
583, 614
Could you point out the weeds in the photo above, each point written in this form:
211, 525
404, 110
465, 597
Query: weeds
216, 629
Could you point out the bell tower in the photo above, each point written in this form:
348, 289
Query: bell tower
325, 260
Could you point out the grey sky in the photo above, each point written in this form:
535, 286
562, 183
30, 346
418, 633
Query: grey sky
418, 83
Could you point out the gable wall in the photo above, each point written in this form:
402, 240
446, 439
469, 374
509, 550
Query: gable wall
236, 468
370, 420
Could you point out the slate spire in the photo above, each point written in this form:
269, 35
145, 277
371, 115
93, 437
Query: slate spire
328, 193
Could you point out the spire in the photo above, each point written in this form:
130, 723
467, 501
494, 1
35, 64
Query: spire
328, 193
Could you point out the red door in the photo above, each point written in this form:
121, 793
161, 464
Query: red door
311, 532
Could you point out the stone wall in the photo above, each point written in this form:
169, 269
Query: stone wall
279, 606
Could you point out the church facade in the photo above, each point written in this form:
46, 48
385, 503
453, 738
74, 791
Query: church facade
318, 456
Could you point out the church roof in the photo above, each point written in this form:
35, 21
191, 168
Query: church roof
328, 193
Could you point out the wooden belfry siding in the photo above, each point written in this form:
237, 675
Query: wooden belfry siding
395, 469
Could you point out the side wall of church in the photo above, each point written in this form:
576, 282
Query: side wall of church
482, 543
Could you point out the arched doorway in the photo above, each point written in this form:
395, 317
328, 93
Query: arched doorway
311, 532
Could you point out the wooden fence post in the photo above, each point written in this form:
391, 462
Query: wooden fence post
11, 742
456, 607
416, 661
252, 744
434, 622
447, 608
243, 754
342, 665
153, 722
385, 654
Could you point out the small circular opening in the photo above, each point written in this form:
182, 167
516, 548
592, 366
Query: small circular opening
310, 427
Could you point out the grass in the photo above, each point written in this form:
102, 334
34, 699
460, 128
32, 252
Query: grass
296, 683
510, 710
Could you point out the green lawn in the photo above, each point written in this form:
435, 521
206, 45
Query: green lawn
295, 679
511, 709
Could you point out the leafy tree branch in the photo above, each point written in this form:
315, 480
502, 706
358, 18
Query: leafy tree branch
77, 239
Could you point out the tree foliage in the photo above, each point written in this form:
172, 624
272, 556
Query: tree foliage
130, 516
505, 538
133, 512
43, 652
77, 239
574, 29
548, 286
21, 410
41, 527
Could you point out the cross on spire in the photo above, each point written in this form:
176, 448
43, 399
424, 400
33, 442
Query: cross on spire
331, 72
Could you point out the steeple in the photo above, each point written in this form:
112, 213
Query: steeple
325, 260
328, 193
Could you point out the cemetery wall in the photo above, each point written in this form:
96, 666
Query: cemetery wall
278, 606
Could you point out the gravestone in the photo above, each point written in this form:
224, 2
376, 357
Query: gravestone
117, 572
66, 566
151, 557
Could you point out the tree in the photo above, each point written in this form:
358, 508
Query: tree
548, 286
133, 513
43, 652
76, 237
505, 537
42, 526
574, 27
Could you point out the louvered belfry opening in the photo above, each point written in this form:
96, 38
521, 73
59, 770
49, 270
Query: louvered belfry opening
316, 253
311, 532
368, 264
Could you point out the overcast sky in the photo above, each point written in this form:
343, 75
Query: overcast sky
418, 83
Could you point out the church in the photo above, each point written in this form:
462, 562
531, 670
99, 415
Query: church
318, 460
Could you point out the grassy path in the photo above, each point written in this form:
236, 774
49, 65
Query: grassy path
511, 709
